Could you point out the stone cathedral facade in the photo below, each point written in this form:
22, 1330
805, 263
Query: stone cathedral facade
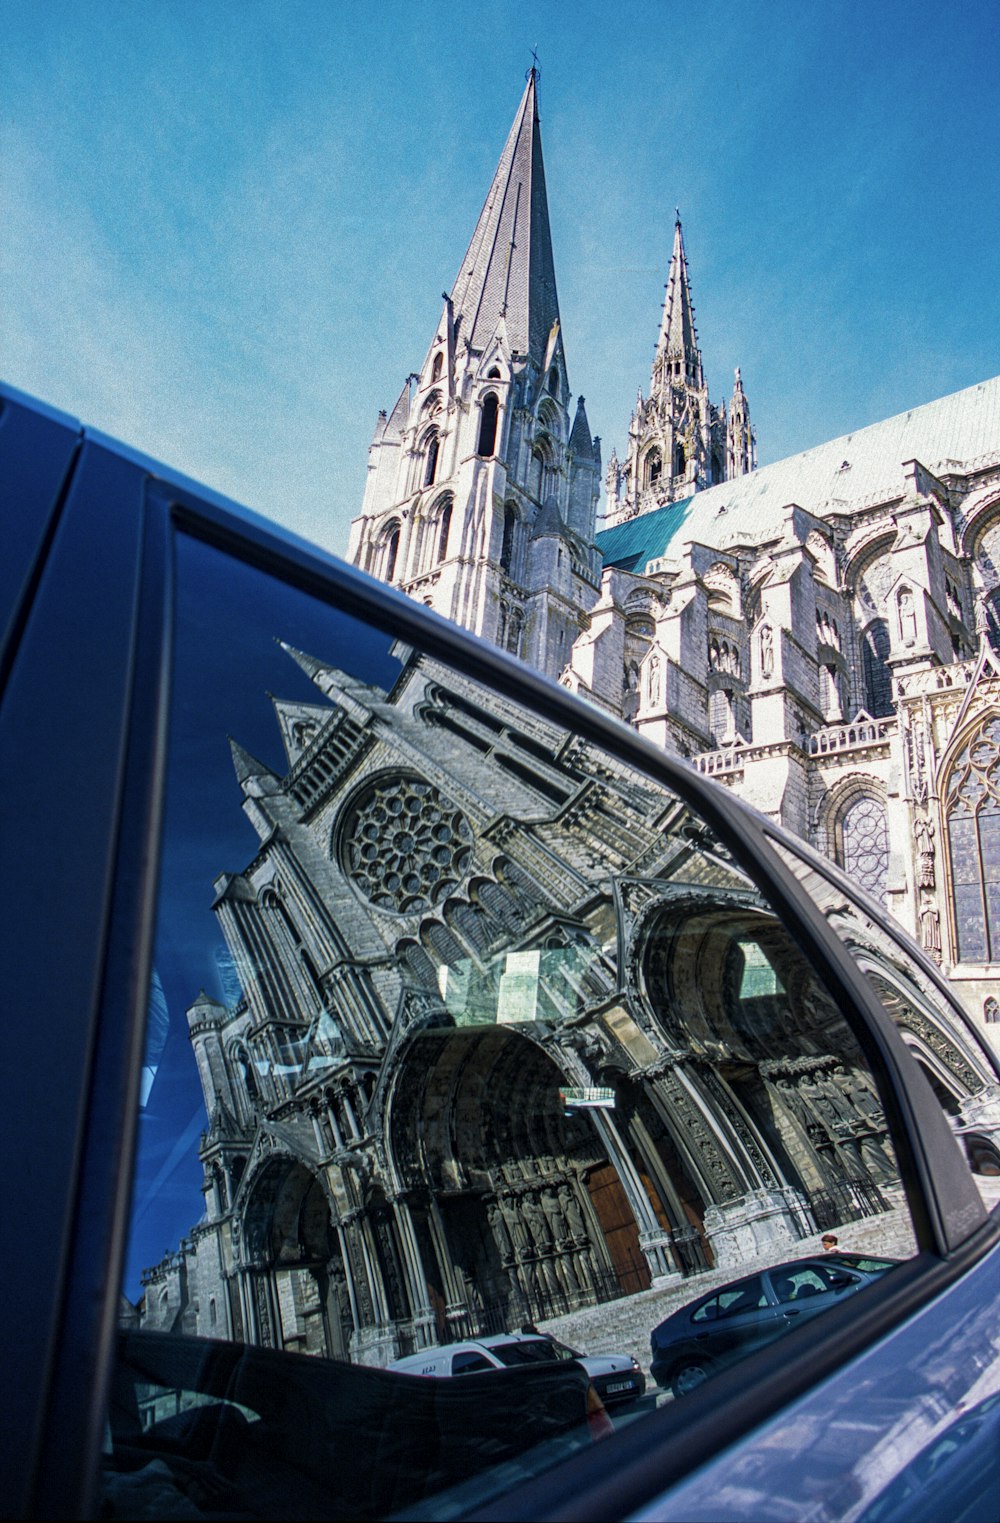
511, 1036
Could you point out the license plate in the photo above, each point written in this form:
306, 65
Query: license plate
620, 1385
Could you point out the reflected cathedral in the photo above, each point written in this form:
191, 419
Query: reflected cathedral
464, 922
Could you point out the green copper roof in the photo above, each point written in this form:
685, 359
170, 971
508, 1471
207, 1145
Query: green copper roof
631, 546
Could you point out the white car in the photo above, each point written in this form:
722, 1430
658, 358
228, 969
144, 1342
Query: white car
615, 1377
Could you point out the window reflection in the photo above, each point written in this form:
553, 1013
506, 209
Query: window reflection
482, 1028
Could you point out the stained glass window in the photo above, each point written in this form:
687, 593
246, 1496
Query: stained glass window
864, 845
973, 813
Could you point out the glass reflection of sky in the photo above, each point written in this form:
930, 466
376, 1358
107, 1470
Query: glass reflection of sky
229, 618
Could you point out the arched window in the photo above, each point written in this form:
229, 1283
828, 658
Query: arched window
972, 809
390, 553
488, 425
721, 715
680, 460
509, 530
432, 445
829, 693
991, 1011
444, 526
863, 845
554, 381
875, 668
654, 467
436, 367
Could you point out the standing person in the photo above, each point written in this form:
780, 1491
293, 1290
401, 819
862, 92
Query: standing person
829, 1241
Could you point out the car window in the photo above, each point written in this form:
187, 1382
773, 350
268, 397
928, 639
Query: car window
867, 1265
729, 1303
810, 1280
512, 1354
459, 1023
469, 1362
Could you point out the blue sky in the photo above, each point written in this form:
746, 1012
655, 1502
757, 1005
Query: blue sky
226, 226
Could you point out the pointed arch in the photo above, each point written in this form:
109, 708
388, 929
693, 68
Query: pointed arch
385, 551
653, 467
431, 450
489, 410
861, 842
508, 543
875, 669
971, 807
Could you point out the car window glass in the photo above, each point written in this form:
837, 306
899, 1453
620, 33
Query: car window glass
809, 1280
469, 1362
459, 1024
536, 1352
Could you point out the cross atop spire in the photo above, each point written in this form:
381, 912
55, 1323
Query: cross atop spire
508, 270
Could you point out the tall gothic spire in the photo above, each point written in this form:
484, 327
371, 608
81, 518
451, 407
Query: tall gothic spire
482, 485
678, 339
508, 270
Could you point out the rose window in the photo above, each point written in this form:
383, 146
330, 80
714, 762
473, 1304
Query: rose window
405, 847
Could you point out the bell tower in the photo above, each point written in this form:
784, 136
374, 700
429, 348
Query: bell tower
483, 480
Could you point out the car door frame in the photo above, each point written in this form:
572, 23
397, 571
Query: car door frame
95, 610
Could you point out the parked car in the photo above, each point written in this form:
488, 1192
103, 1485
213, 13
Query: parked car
276, 1184
616, 1378
733, 1320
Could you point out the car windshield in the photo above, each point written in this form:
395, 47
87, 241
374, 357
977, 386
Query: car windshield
458, 1022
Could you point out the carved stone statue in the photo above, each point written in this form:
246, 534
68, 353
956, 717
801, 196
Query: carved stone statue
537, 1226
571, 1208
499, 1229
923, 833
766, 651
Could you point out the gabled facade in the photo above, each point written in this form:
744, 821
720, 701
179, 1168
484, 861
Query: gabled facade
483, 480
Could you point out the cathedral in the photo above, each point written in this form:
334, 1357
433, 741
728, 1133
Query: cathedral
821, 634
510, 1033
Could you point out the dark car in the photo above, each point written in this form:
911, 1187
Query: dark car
733, 1320
290, 1022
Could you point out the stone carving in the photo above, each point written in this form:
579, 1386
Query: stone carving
923, 831
571, 1208
930, 932
696, 1127
653, 679
766, 651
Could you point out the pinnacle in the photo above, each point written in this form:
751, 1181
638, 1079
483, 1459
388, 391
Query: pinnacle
247, 766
